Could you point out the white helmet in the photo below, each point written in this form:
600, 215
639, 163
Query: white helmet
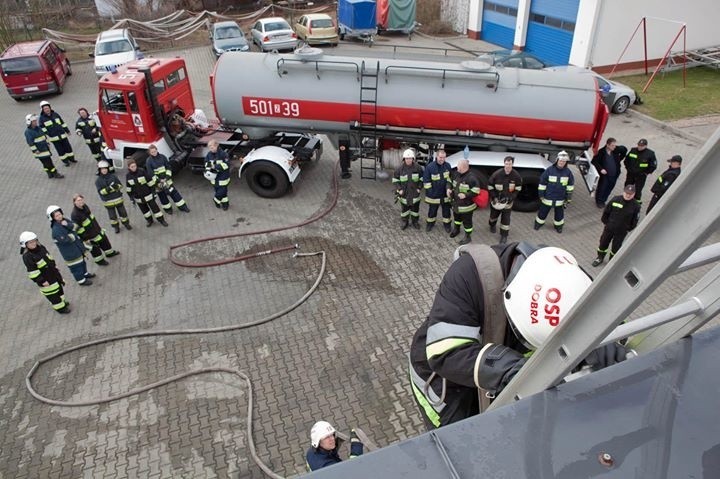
320, 431
409, 153
52, 209
43, 103
29, 118
547, 284
103, 164
563, 155
27, 236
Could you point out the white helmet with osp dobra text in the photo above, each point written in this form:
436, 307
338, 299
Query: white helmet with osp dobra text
320, 431
27, 236
546, 286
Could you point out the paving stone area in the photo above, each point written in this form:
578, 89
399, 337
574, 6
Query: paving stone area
340, 356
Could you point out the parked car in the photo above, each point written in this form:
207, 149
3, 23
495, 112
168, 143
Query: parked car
32, 69
228, 37
617, 97
316, 28
114, 48
512, 59
273, 34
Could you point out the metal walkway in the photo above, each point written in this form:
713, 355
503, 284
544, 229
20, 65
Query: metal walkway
702, 57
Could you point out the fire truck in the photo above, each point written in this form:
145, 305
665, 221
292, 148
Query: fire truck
271, 107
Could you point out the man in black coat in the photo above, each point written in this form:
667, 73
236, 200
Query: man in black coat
619, 217
664, 181
607, 163
639, 162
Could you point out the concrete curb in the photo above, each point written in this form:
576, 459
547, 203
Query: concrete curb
665, 126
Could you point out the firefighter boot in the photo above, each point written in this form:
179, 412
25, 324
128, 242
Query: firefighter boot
404, 224
168, 211
127, 226
162, 221
116, 227
598, 261
429, 226
537, 226
415, 222
559, 228
493, 228
149, 222
465, 240
455, 231
184, 208
503, 237
447, 227
58, 175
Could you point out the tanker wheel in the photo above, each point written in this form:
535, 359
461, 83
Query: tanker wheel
528, 200
266, 179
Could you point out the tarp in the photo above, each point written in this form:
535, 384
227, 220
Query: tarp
357, 14
396, 14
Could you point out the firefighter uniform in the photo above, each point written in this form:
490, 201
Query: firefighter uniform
620, 216
503, 188
159, 167
111, 193
42, 269
463, 208
71, 249
218, 163
408, 183
436, 178
664, 181
141, 188
90, 231
57, 133
639, 163
555, 190
90, 131
37, 141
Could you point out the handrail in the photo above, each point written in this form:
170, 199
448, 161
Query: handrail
317, 63
444, 71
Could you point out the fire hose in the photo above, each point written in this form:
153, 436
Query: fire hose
174, 332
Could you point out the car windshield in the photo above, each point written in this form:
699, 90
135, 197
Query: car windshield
322, 23
225, 33
275, 26
115, 46
19, 66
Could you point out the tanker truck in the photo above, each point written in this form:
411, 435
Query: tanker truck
267, 102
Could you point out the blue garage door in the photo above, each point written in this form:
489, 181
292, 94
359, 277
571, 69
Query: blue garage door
498, 25
550, 30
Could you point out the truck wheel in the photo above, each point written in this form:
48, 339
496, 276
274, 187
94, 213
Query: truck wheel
528, 200
266, 179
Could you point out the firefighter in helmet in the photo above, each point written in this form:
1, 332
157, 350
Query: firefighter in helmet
57, 132
556, 187
462, 189
42, 270
324, 446
110, 190
217, 171
68, 242
37, 141
458, 350
87, 127
408, 183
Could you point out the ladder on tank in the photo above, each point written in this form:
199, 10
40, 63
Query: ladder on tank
369, 156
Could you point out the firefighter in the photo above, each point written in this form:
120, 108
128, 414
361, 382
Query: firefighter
464, 186
504, 186
159, 166
217, 167
663, 182
459, 352
37, 141
555, 189
407, 181
42, 270
639, 163
87, 127
57, 132
141, 190
111, 192
620, 216
90, 231
607, 163
71, 247
436, 178
324, 446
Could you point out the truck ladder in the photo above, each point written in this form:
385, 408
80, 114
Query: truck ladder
369, 156
660, 246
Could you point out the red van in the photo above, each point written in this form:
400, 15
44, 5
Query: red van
34, 68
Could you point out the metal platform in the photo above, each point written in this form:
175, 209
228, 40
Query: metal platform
702, 57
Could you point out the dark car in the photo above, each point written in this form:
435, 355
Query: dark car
512, 59
228, 37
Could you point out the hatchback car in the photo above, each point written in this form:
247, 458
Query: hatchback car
35, 68
512, 59
273, 34
617, 96
228, 37
316, 28
114, 48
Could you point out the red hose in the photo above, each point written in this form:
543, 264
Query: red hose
312, 219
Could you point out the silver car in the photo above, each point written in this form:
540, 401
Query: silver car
273, 34
617, 97
227, 37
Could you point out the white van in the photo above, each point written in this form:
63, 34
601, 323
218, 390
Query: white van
114, 48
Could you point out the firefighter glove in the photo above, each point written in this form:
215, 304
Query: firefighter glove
607, 355
498, 365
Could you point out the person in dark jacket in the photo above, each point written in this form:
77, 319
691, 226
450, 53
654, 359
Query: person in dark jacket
619, 217
324, 446
556, 187
87, 127
110, 190
664, 181
71, 247
503, 186
141, 189
464, 187
639, 163
407, 181
607, 163
217, 163
57, 132
453, 356
158, 165
42, 270
37, 141
90, 231
435, 179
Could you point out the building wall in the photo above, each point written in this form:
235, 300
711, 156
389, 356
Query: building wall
456, 13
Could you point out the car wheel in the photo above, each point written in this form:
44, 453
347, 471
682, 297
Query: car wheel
69, 68
621, 105
266, 179
59, 89
528, 200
